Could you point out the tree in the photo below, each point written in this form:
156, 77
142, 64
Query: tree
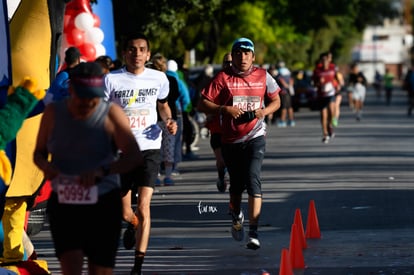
293, 31
172, 26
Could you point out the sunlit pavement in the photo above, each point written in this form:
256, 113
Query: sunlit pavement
361, 183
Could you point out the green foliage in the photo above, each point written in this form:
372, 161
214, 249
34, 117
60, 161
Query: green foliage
295, 31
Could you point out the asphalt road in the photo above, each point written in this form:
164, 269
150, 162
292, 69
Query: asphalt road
361, 183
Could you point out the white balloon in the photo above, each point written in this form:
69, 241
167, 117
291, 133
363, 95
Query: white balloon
100, 50
94, 35
84, 21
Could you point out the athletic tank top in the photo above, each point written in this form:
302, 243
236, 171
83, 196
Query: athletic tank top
77, 146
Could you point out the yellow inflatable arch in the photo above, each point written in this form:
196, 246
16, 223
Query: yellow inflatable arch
35, 31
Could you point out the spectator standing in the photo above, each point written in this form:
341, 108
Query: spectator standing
159, 62
226, 61
141, 91
378, 83
183, 103
117, 64
201, 81
409, 87
59, 88
185, 107
106, 63
388, 86
238, 96
285, 81
272, 118
82, 134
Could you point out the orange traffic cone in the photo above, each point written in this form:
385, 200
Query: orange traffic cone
299, 223
295, 249
312, 224
285, 264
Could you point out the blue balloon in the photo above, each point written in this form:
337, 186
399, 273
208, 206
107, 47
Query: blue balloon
104, 11
5, 61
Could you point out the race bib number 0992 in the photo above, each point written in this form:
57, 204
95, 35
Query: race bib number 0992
71, 192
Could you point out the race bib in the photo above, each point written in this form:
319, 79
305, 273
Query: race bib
138, 118
70, 191
247, 103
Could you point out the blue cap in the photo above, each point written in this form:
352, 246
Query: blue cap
243, 43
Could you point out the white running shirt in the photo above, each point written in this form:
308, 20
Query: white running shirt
138, 95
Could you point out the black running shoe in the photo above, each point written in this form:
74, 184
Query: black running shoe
129, 237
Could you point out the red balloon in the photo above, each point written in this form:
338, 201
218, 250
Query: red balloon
67, 20
69, 11
75, 36
96, 20
88, 51
79, 6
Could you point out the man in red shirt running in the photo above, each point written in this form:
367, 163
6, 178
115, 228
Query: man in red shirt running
237, 94
324, 78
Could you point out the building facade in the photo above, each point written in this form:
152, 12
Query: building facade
384, 47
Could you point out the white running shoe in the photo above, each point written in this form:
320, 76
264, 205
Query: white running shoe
237, 229
253, 243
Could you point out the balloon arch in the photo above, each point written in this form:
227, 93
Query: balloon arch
81, 29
